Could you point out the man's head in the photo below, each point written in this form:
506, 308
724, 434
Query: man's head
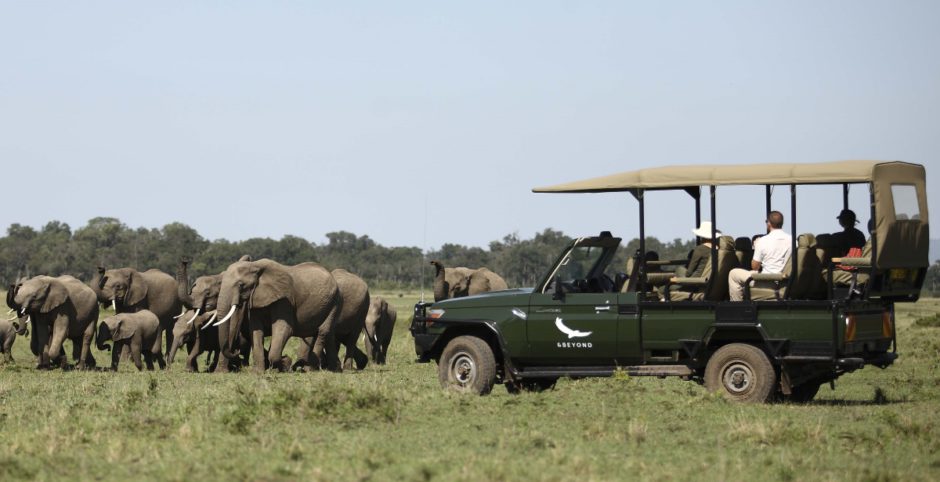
774, 220
847, 218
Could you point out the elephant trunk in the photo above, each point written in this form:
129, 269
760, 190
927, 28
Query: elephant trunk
21, 325
182, 280
228, 299
97, 283
177, 340
440, 284
11, 293
103, 334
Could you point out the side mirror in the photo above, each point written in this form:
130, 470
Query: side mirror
559, 292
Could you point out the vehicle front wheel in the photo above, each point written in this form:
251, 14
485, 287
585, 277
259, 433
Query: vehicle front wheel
741, 372
467, 364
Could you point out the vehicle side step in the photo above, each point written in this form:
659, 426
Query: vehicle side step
636, 371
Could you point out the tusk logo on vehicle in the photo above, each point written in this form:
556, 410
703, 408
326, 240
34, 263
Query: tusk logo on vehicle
568, 331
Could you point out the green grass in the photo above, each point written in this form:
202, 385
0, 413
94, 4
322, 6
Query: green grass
394, 422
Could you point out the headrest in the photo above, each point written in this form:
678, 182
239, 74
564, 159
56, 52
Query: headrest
806, 240
725, 243
827, 241
742, 244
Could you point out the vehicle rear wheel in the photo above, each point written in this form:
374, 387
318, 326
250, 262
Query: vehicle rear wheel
467, 364
741, 372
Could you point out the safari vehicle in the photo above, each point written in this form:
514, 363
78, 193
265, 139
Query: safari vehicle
819, 319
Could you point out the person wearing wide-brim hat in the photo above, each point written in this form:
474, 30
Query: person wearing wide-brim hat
850, 237
702, 253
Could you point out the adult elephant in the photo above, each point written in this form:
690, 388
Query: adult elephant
302, 301
58, 308
196, 332
481, 280
129, 291
446, 279
380, 323
201, 298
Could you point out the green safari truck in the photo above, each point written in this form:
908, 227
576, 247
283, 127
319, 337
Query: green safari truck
827, 314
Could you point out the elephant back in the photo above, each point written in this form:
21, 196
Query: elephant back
162, 297
82, 297
355, 294
315, 292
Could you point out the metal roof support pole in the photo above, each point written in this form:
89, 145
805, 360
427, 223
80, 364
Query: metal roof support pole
871, 233
845, 195
767, 191
698, 212
641, 275
794, 259
714, 276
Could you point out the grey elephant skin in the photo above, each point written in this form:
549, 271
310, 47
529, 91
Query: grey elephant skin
201, 298
129, 290
446, 279
140, 331
301, 301
380, 324
479, 281
58, 308
7, 337
196, 333
352, 319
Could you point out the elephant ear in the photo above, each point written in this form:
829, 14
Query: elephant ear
56, 294
246, 257
136, 289
121, 329
273, 284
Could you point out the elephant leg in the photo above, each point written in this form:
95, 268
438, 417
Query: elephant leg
304, 351
59, 330
126, 352
148, 360
192, 364
324, 348
135, 356
212, 361
87, 360
161, 362
354, 354
280, 333
116, 351
371, 348
257, 344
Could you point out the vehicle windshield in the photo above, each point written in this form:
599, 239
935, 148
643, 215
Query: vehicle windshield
582, 269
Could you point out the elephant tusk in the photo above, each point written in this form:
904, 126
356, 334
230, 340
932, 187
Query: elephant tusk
211, 318
194, 316
28, 318
229, 315
182, 312
12, 318
23, 310
114, 305
11, 311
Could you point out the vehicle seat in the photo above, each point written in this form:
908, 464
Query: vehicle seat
807, 276
744, 251
711, 289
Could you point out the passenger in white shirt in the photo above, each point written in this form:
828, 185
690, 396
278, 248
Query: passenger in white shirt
770, 256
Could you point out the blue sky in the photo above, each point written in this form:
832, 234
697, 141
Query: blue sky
420, 123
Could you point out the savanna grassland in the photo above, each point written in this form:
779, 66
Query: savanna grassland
394, 422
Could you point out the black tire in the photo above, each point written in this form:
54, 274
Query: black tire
742, 373
803, 393
467, 364
533, 385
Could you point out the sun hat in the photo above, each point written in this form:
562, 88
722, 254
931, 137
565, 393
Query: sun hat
705, 230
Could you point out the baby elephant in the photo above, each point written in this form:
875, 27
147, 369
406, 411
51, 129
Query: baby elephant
140, 331
7, 336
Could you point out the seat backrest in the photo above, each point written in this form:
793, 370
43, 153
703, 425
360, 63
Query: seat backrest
744, 251
717, 289
809, 276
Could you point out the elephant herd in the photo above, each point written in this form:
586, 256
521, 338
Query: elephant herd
459, 282
226, 316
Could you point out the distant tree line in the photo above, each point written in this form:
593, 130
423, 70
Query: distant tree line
56, 249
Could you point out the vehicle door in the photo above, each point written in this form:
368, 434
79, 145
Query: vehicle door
572, 317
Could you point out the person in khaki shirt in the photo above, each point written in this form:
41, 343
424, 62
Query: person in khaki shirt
770, 256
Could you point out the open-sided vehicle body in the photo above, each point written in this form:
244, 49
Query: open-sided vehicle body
586, 319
